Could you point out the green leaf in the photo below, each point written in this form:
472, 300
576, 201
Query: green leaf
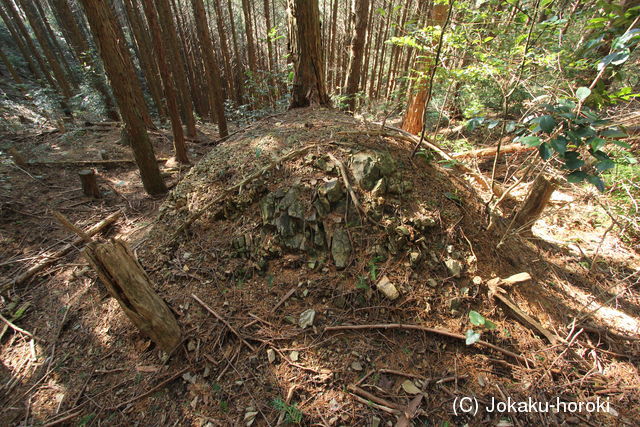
597, 181
489, 325
472, 337
476, 318
613, 133
604, 165
597, 143
622, 144
573, 160
560, 145
576, 177
530, 141
545, 151
583, 93
547, 123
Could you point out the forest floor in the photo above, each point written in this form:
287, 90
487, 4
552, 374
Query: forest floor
83, 363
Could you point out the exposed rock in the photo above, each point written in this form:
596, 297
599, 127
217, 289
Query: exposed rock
454, 266
294, 356
271, 355
332, 190
380, 188
356, 366
306, 318
365, 169
341, 248
414, 258
387, 288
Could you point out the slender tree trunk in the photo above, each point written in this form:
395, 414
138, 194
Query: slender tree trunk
224, 48
80, 45
359, 11
119, 68
179, 68
14, 17
169, 89
147, 60
383, 48
306, 52
211, 65
251, 46
376, 58
17, 38
55, 44
331, 67
367, 49
240, 70
47, 49
14, 74
413, 118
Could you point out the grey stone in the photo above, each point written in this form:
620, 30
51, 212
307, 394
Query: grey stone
386, 164
322, 206
454, 266
341, 248
284, 225
268, 208
380, 188
332, 190
365, 169
389, 290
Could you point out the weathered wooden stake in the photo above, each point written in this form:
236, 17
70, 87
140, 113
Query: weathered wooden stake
535, 203
89, 183
128, 283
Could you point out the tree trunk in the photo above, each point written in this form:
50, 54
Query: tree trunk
167, 80
119, 67
211, 66
306, 52
240, 74
359, 11
89, 183
536, 201
17, 38
128, 283
178, 69
413, 118
72, 32
331, 66
14, 18
224, 48
47, 49
251, 46
14, 74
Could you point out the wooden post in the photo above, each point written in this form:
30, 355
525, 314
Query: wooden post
89, 183
536, 201
128, 283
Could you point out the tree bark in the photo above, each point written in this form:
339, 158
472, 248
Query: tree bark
72, 32
178, 69
89, 183
14, 74
331, 65
536, 201
147, 61
211, 66
127, 91
359, 13
413, 118
179, 146
306, 52
251, 46
128, 283
14, 18
224, 48
17, 38
47, 49
239, 75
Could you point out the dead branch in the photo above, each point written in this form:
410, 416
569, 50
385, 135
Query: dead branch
86, 162
491, 151
150, 391
19, 329
95, 229
435, 331
224, 322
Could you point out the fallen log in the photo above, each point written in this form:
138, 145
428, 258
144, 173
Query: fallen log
86, 162
95, 229
128, 283
491, 151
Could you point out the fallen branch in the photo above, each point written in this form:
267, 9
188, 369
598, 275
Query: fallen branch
352, 193
206, 208
88, 162
95, 229
227, 324
150, 391
372, 397
491, 151
19, 329
435, 331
